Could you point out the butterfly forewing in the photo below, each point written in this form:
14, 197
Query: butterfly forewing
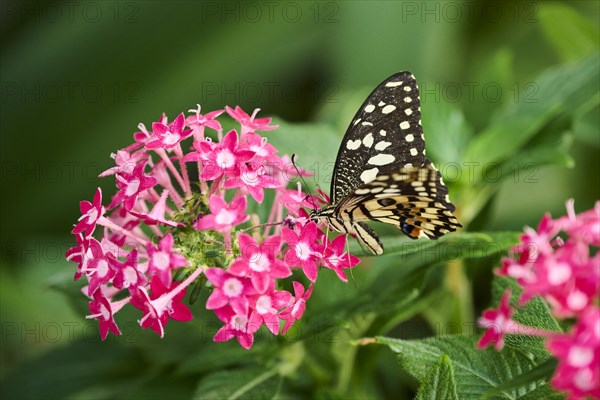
384, 135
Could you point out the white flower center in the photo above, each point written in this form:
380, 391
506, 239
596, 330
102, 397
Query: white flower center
297, 308
92, 215
335, 260
583, 380
250, 178
559, 274
577, 300
259, 150
239, 322
129, 276
232, 287
580, 356
225, 217
132, 187
102, 268
161, 260
302, 250
225, 159
264, 305
171, 138
259, 262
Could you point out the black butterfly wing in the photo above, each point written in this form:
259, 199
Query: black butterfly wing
384, 135
415, 199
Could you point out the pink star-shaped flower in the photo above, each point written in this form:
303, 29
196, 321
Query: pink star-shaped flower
238, 325
294, 200
497, 323
168, 136
198, 121
295, 309
79, 254
303, 249
125, 162
336, 259
264, 152
163, 303
131, 185
218, 159
90, 214
265, 308
585, 226
99, 270
249, 122
223, 217
259, 262
127, 274
163, 259
157, 215
100, 308
229, 290
253, 180
578, 354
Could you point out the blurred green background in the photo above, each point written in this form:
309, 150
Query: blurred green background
78, 77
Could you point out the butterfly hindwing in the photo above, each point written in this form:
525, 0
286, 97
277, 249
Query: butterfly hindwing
384, 135
414, 199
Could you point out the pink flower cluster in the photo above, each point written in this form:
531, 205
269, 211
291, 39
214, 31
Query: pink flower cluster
187, 215
566, 273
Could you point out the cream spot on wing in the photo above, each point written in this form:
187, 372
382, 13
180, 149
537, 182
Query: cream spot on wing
381, 159
388, 109
382, 132
369, 108
353, 144
404, 125
407, 111
409, 137
368, 175
368, 140
413, 152
382, 145
393, 84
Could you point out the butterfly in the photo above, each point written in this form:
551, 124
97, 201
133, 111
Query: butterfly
381, 172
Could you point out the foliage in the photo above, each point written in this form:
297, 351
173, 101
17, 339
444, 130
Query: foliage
404, 325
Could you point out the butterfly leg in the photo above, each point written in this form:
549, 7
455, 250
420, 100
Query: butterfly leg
368, 237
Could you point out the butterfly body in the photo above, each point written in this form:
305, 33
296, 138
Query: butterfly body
381, 172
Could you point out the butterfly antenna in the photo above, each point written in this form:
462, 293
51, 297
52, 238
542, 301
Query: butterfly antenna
310, 196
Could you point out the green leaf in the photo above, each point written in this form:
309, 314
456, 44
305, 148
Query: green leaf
476, 371
214, 356
448, 247
557, 91
524, 166
439, 383
535, 313
586, 125
571, 34
250, 383
447, 133
542, 372
319, 160
543, 392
